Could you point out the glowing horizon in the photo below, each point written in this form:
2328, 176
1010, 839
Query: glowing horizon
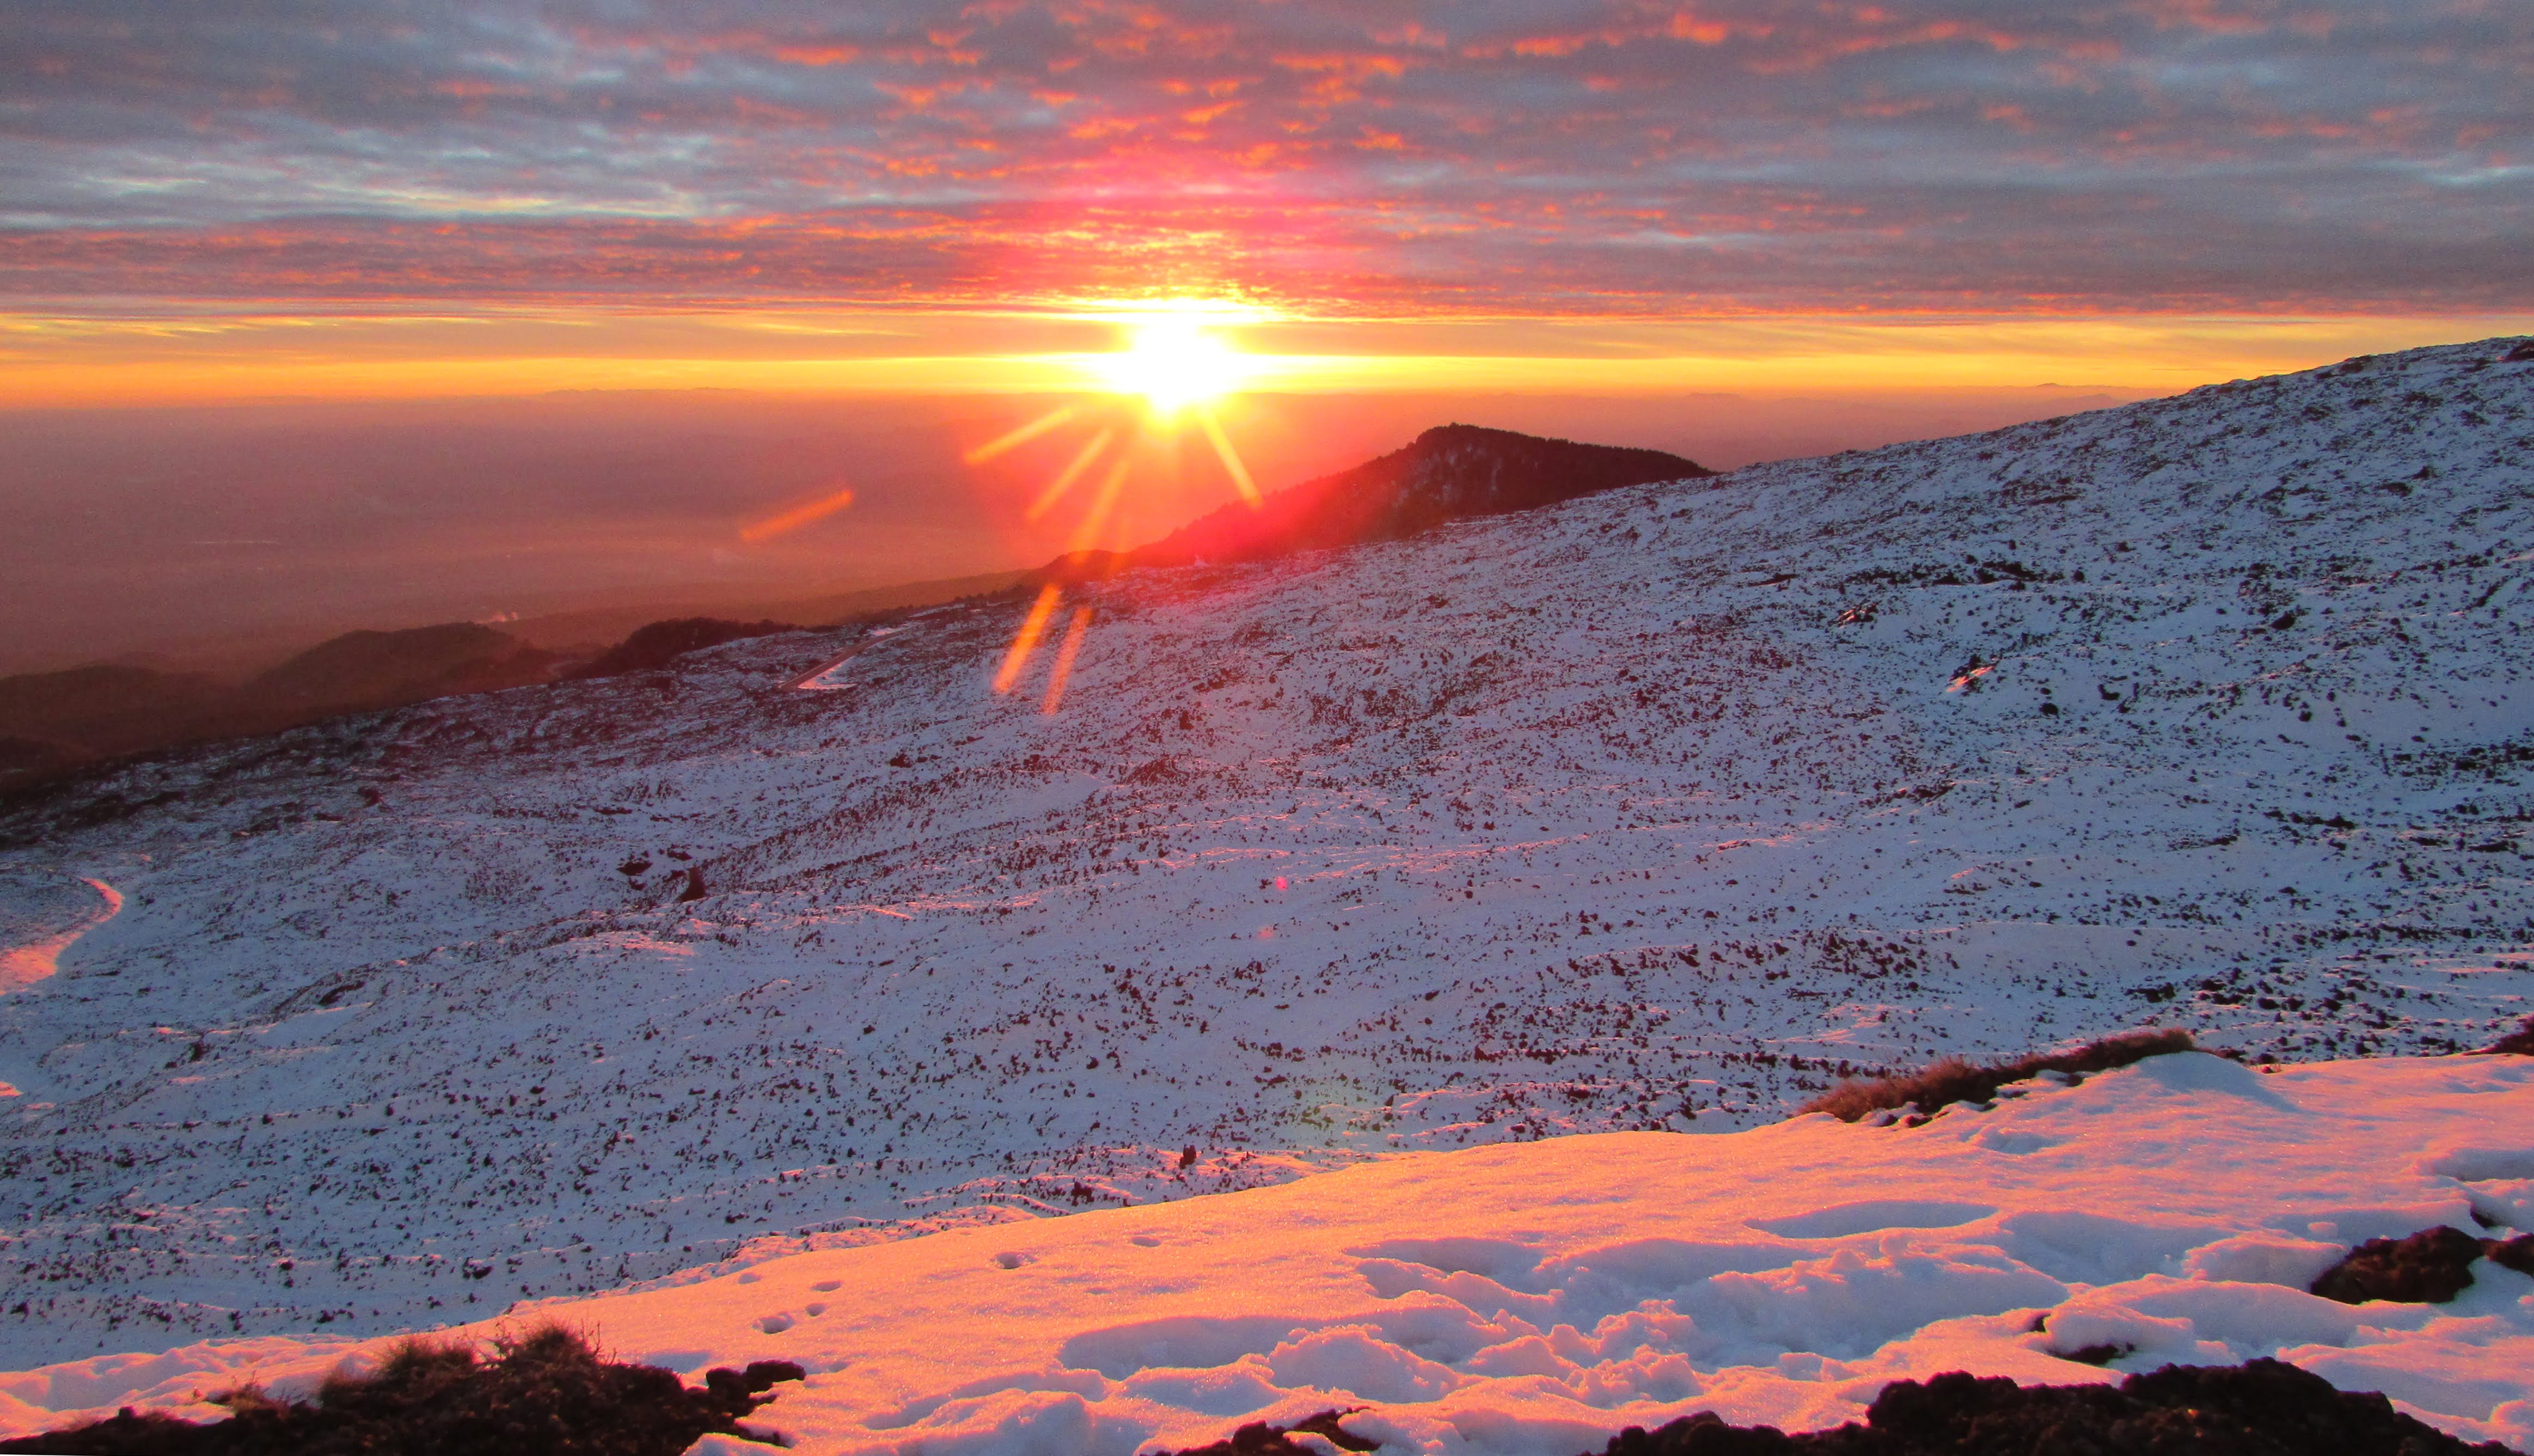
67, 360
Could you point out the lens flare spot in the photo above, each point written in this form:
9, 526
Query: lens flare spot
785, 521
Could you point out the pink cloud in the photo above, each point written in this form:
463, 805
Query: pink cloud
1561, 154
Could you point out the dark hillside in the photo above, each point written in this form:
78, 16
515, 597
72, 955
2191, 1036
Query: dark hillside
574, 633
51, 721
34, 755
381, 669
659, 642
1449, 472
103, 708
58, 720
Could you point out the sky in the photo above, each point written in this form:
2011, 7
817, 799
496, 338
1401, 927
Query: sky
428, 195
1855, 222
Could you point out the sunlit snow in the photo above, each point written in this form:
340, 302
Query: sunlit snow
1529, 1299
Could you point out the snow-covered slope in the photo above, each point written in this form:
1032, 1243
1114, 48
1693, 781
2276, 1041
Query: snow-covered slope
1654, 809
1529, 1300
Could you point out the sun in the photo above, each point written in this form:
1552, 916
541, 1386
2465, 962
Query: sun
1172, 363
1178, 369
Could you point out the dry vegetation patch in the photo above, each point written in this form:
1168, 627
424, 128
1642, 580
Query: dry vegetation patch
2429, 1267
1952, 1079
546, 1392
2263, 1408
2517, 1042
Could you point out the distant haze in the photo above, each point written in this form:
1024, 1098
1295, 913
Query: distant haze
223, 537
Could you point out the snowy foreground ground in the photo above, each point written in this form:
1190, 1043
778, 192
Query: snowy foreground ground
1529, 1299
1655, 811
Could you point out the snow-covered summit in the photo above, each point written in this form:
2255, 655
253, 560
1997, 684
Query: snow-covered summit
1654, 809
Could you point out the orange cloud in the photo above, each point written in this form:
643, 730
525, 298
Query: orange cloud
818, 55
1649, 156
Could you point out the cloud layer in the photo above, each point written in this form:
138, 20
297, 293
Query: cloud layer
1522, 157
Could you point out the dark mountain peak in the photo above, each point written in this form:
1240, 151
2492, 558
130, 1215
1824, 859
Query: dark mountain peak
1456, 470
1447, 473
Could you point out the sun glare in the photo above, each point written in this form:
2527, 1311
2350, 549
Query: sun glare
1178, 370
1174, 363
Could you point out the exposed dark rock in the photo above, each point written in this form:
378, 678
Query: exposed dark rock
1258, 1438
2259, 1408
2429, 1267
2515, 1253
735, 1389
2263, 1408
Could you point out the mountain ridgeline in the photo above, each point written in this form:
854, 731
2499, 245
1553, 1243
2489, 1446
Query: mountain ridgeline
662, 642
1451, 472
389, 669
60, 721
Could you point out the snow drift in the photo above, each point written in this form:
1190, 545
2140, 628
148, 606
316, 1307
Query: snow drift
1530, 1299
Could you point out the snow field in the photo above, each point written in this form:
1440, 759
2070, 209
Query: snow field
1660, 809
1529, 1299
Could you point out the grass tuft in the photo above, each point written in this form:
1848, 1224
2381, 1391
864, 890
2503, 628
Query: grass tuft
1952, 1079
2519, 1043
546, 1391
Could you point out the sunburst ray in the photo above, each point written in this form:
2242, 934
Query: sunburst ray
1086, 534
1017, 656
1231, 457
1016, 437
1064, 655
1072, 472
